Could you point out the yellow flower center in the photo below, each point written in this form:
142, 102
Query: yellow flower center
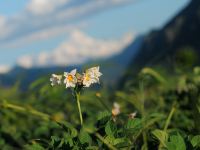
87, 77
70, 77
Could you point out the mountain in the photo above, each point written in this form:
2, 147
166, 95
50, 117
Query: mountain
179, 37
112, 68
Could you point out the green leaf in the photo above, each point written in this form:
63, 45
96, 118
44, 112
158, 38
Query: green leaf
196, 70
133, 123
176, 142
110, 139
69, 128
68, 140
84, 137
196, 141
55, 141
103, 115
153, 73
92, 148
2, 142
161, 136
156, 115
103, 118
34, 147
119, 141
110, 128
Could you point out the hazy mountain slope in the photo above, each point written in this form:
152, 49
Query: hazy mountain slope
114, 67
159, 47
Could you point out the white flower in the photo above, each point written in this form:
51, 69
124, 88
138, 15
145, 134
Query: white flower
88, 80
91, 76
94, 72
55, 79
132, 115
116, 109
70, 78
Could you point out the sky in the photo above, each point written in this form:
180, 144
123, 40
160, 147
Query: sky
41, 33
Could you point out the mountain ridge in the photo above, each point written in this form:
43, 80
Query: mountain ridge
161, 46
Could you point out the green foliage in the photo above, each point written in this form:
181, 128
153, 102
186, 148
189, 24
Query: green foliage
176, 142
186, 58
33, 147
84, 137
71, 131
195, 141
162, 136
43, 117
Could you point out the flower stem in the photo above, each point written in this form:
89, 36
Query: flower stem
79, 107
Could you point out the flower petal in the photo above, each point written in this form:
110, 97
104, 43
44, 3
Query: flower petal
73, 72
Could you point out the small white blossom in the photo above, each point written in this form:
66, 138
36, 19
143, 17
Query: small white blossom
116, 109
70, 78
94, 72
88, 80
91, 76
132, 115
55, 79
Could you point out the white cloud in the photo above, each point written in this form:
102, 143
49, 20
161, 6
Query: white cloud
4, 68
26, 61
44, 35
4, 28
77, 49
2, 21
42, 7
41, 16
88, 8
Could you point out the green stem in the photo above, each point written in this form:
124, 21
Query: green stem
141, 86
167, 123
105, 141
25, 110
169, 118
79, 107
111, 147
146, 126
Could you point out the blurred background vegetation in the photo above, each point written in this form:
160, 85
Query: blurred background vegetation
157, 76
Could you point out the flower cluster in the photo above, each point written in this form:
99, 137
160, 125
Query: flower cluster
74, 79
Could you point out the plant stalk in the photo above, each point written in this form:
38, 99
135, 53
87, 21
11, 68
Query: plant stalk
169, 118
167, 123
79, 107
110, 146
141, 87
25, 110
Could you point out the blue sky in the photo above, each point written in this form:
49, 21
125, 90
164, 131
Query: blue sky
61, 32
